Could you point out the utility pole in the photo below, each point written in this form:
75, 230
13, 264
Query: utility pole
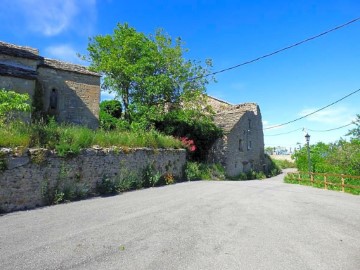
307, 137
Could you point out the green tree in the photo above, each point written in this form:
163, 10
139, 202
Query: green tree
147, 72
110, 113
11, 103
355, 132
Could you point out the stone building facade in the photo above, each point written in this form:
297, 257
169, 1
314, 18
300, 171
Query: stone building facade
242, 147
69, 92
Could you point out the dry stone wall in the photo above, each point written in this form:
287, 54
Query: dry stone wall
24, 176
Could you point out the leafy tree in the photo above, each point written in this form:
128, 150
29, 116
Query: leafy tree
110, 113
339, 157
147, 72
355, 132
11, 103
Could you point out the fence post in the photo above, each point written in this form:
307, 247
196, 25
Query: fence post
342, 183
312, 179
299, 178
325, 183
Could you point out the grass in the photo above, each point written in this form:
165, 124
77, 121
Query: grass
70, 139
334, 182
284, 163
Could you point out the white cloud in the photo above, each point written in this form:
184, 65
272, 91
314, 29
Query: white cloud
52, 17
335, 115
64, 52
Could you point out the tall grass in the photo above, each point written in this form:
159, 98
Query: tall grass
70, 139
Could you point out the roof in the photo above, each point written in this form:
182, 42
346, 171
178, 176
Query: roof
229, 117
19, 51
219, 100
13, 71
32, 53
56, 64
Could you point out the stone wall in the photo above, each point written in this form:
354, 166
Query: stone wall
24, 176
78, 95
20, 85
242, 147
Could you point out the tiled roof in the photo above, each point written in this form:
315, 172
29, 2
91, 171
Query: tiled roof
227, 118
56, 64
19, 51
8, 70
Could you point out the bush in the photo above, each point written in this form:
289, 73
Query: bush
202, 171
110, 113
201, 131
250, 175
284, 164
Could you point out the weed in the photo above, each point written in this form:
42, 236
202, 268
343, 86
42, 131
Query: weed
151, 178
3, 164
203, 171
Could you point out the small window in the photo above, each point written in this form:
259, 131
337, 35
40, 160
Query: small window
249, 124
241, 149
249, 145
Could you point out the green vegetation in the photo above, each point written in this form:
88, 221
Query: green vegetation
318, 182
342, 157
284, 163
110, 113
153, 81
202, 171
11, 104
69, 139
250, 175
64, 190
147, 72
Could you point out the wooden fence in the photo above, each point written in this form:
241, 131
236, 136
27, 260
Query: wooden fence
337, 181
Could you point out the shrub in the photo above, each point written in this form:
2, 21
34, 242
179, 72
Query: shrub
200, 130
284, 164
11, 103
203, 171
151, 178
110, 113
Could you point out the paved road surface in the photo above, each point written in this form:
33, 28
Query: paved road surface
199, 225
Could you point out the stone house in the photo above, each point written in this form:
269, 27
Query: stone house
69, 92
242, 147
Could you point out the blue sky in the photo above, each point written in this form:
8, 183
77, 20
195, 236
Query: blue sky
286, 86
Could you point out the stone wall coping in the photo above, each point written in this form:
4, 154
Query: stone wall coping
95, 150
61, 65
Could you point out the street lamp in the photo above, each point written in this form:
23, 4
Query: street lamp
307, 137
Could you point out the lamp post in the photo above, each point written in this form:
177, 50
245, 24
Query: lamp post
307, 137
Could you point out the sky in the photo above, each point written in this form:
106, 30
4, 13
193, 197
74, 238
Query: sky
286, 86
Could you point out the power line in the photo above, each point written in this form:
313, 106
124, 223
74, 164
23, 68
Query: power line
302, 117
284, 133
326, 130
278, 51
313, 130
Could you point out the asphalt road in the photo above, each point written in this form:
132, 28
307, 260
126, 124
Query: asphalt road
199, 225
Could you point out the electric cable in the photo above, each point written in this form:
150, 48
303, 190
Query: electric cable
283, 133
318, 110
277, 51
326, 130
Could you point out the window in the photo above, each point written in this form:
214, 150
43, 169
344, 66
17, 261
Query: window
249, 123
249, 145
241, 149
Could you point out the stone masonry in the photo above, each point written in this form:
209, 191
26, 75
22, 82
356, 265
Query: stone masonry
69, 92
24, 176
242, 147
